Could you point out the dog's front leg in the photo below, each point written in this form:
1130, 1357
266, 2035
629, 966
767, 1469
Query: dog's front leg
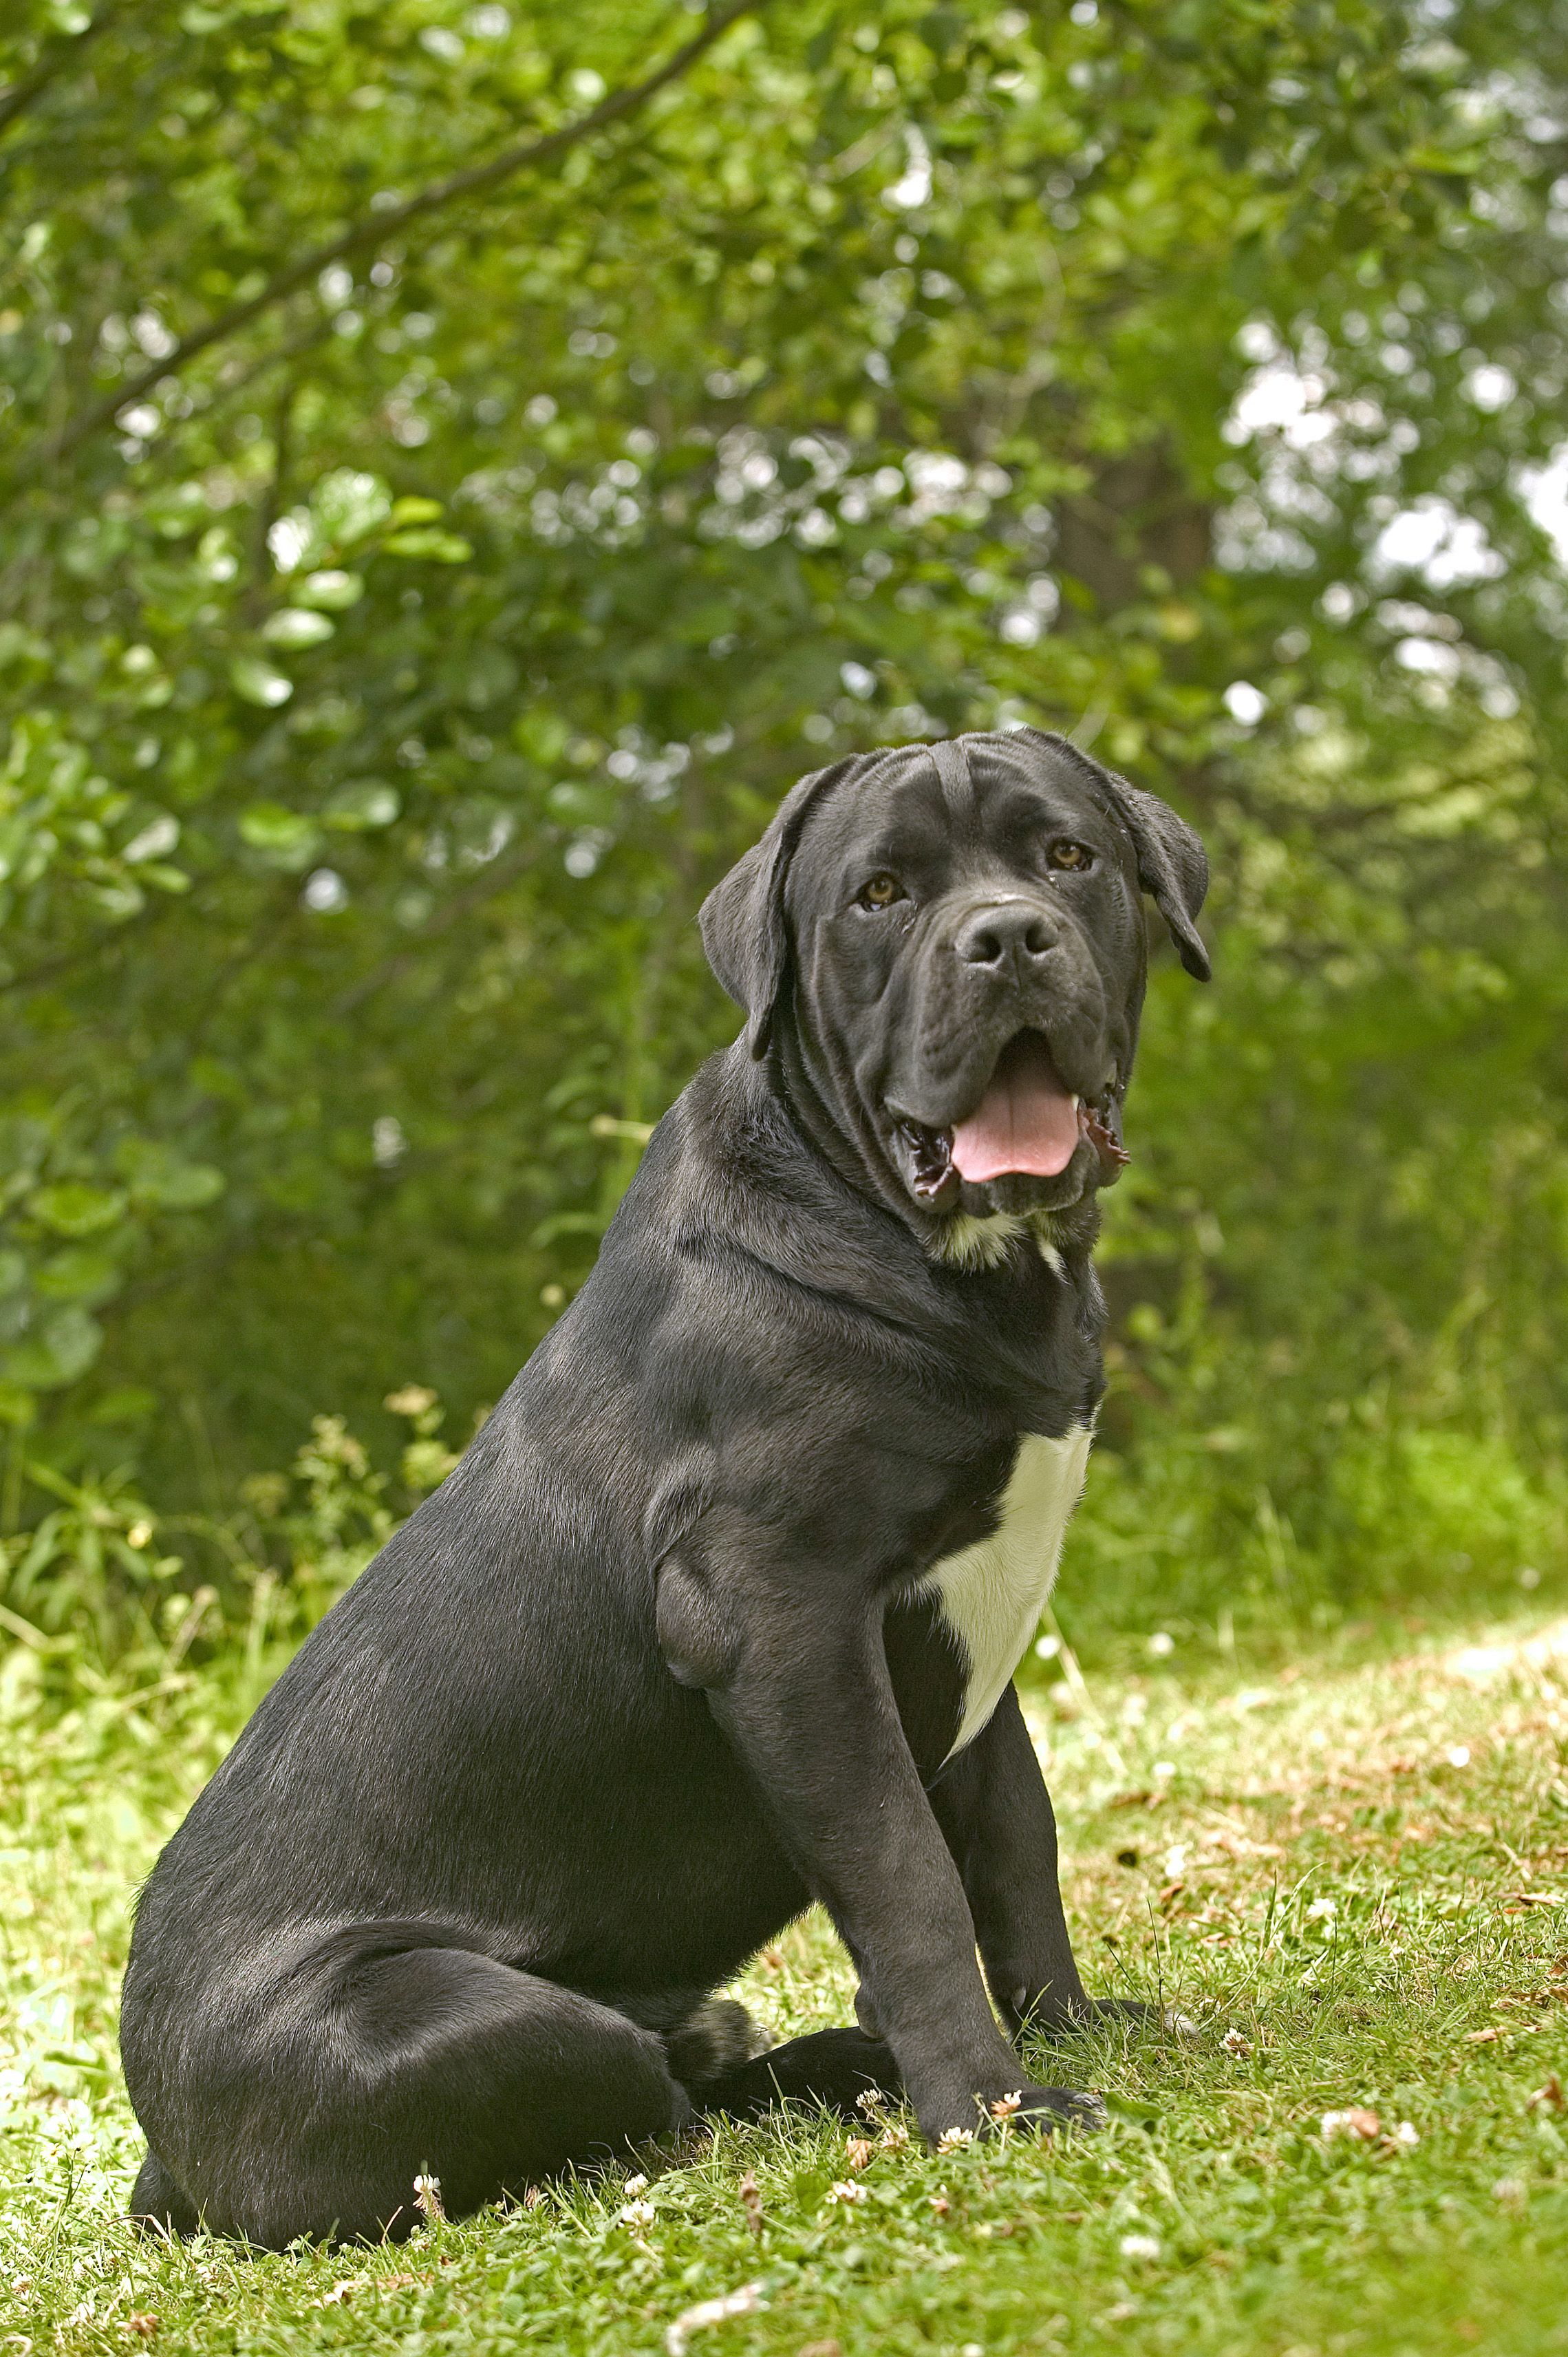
800, 1684
991, 1804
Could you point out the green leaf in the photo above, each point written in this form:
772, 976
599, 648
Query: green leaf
160, 1177
75, 1208
160, 834
284, 837
79, 1274
413, 510
348, 505
65, 1346
332, 591
118, 901
186, 1187
425, 540
294, 625
258, 683
542, 736
360, 803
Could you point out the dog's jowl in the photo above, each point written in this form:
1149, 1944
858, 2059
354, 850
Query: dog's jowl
720, 1612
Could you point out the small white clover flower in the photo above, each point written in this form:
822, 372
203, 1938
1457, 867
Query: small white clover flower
1234, 2043
1005, 2105
637, 2214
1356, 2121
844, 2191
950, 2139
1140, 2247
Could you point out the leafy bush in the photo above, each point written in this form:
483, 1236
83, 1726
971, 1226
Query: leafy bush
96, 1587
397, 640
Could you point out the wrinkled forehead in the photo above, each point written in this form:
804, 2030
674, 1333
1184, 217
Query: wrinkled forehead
973, 792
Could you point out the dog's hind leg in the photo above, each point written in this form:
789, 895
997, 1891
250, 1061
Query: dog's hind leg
379, 2060
159, 2206
833, 2068
716, 2036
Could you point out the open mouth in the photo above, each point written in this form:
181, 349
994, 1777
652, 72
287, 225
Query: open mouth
1027, 1125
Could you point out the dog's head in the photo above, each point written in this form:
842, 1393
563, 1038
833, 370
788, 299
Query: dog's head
946, 943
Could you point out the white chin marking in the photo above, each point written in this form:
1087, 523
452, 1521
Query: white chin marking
972, 1242
967, 1241
990, 1594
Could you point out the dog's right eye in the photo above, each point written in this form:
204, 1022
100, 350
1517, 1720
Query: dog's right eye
881, 892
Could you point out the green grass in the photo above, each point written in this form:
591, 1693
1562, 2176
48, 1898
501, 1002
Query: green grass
1305, 1866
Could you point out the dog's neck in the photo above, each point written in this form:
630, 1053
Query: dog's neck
1026, 1329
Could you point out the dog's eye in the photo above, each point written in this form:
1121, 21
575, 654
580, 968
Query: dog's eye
881, 892
1065, 854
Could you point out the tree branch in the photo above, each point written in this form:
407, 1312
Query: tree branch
376, 228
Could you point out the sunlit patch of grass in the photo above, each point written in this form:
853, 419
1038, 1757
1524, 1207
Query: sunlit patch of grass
1351, 1879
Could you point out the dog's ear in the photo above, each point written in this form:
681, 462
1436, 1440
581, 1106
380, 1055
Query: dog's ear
742, 920
1173, 867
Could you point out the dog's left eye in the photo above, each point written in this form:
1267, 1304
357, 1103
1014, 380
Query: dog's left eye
881, 892
1065, 854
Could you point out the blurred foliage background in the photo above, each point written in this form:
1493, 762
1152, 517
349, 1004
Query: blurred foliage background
462, 462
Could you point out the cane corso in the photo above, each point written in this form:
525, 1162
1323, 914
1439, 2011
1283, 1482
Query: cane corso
719, 1614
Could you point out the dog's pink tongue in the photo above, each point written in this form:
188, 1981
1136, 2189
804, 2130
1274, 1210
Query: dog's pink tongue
1025, 1120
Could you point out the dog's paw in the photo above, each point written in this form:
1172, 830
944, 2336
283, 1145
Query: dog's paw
1052, 2107
717, 2038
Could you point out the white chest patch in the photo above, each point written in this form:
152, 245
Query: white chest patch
992, 1594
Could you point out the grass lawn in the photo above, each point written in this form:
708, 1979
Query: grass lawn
1350, 1874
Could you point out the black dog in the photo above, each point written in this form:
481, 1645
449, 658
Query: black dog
720, 1612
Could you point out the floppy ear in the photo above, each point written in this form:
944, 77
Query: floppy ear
742, 920
1173, 867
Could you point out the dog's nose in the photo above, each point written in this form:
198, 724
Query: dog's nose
994, 934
